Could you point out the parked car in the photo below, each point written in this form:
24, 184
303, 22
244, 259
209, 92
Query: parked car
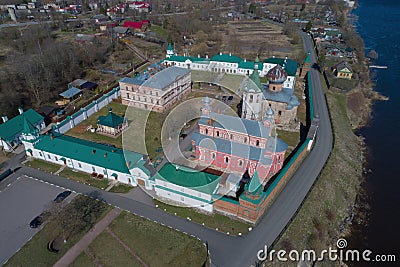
63, 195
36, 222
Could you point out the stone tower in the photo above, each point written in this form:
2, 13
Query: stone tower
252, 95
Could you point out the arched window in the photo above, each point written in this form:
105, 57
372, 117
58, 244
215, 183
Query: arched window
240, 163
217, 133
226, 160
245, 140
231, 136
206, 131
258, 143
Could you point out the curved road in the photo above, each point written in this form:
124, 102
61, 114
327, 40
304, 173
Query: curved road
226, 250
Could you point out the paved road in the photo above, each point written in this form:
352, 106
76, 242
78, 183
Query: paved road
226, 250
21, 200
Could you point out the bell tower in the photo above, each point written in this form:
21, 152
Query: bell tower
252, 95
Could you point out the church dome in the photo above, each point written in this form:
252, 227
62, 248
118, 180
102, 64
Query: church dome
277, 74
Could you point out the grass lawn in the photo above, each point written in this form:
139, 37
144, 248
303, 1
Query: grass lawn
159, 31
111, 253
35, 252
84, 178
121, 188
290, 138
223, 223
144, 132
43, 165
80, 130
83, 260
158, 245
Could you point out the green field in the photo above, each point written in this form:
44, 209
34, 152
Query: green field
131, 238
43, 165
214, 221
35, 253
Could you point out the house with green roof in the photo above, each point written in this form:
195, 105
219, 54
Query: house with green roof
99, 160
188, 187
11, 129
111, 124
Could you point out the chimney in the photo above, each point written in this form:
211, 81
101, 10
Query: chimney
198, 55
20, 110
220, 53
5, 118
176, 167
230, 54
245, 60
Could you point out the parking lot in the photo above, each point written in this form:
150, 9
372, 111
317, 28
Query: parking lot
22, 199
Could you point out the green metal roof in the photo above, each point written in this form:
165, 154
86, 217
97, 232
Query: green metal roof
226, 58
190, 178
170, 47
290, 65
184, 58
254, 183
111, 120
249, 65
15, 126
90, 152
28, 127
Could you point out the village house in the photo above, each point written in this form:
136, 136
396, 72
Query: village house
159, 93
11, 129
343, 70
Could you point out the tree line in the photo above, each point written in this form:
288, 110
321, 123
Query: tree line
38, 65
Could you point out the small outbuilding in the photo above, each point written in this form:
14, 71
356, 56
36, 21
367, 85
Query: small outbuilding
111, 124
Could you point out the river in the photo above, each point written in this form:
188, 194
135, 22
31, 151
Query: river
378, 23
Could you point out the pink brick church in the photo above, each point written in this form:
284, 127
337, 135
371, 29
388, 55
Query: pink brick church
234, 144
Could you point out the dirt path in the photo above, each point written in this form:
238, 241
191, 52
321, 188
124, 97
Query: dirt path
82, 244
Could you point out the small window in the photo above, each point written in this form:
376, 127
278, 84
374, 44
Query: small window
217, 133
231, 137
48, 155
105, 171
127, 95
56, 158
226, 160
79, 165
40, 153
213, 156
258, 143
93, 169
245, 140
182, 199
206, 131
240, 163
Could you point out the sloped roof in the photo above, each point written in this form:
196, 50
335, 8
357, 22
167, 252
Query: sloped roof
71, 92
237, 124
249, 65
343, 65
184, 58
28, 126
283, 96
190, 178
226, 58
290, 65
110, 120
90, 152
15, 126
166, 77
137, 80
